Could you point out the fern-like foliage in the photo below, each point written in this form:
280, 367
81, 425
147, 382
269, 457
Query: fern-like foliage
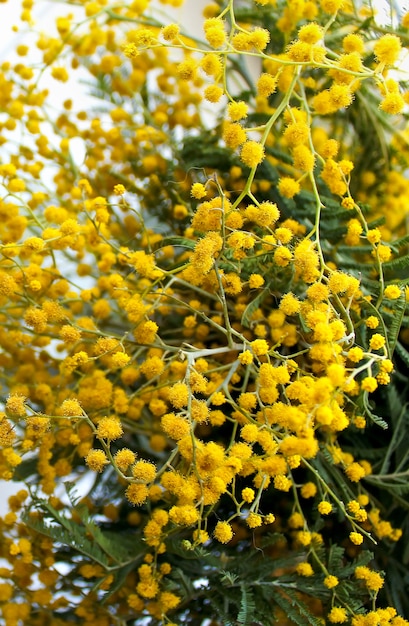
81, 540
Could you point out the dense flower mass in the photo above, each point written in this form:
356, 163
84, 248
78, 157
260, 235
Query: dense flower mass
204, 323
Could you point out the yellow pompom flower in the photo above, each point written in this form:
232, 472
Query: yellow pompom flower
266, 85
338, 282
153, 366
248, 494
120, 359
310, 33
387, 49
175, 426
144, 471
303, 158
184, 515
137, 493
170, 32
215, 32
96, 460
71, 408
372, 322
231, 283
198, 191
340, 96
337, 615
237, 111
288, 187
318, 292
266, 214
260, 347
282, 483
308, 490
355, 472
60, 73
386, 366
304, 569
130, 50
252, 153
124, 458
353, 43
283, 235
392, 292
324, 507
109, 428
15, 405
296, 133
290, 305
179, 395
355, 354
223, 532
384, 252
234, 135
259, 38
306, 260
256, 281
144, 37
376, 342
282, 256
393, 103
331, 581
369, 384
331, 6
206, 250
249, 433
246, 357
254, 520
211, 64
373, 580
187, 69
213, 93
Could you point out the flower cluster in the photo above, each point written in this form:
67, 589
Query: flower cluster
209, 325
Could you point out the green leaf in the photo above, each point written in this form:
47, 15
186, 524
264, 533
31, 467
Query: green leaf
403, 353
247, 606
228, 578
182, 583
396, 323
220, 606
202, 151
374, 418
119, 578
252, 307
400, 243
175, 546
395, 488
371, 284
182, 242
396, 587
363, 558
109, 549
398, 435
378, 222
70, 534
26, 469
377, 420
396, 265
295, 609
111, 546
335, 558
